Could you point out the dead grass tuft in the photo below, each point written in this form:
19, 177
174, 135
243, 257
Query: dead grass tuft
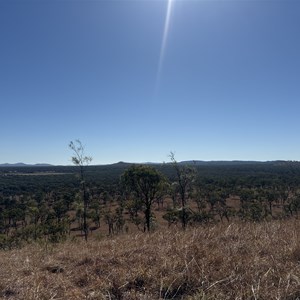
295, 255
53, 269
233, 261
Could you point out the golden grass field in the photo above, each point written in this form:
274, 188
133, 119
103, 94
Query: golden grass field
222, 261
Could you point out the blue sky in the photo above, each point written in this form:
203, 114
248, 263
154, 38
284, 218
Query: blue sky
229, 85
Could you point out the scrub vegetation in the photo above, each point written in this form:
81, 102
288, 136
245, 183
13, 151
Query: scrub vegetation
188, 230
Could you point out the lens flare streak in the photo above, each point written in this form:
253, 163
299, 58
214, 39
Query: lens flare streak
164, 42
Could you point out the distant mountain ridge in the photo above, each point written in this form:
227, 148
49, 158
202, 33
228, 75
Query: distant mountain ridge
233, 163
230, 162
20, 164
187, 162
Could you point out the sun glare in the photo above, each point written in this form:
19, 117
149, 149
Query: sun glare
164, 40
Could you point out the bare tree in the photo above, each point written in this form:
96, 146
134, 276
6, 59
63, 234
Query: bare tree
81, 160
185, 176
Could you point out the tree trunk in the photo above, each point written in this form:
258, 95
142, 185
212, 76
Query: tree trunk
85, 229
148, 217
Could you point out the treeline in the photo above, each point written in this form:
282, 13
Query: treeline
50, 206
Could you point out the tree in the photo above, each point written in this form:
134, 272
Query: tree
81, 160
185, 176
146, 184
270, 196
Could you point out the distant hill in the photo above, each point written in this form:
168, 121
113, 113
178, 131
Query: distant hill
187, 162
25, 165
232, 162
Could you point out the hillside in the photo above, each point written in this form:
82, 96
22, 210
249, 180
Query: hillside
225, 261
242, 239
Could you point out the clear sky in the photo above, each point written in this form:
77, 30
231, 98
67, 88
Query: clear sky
133, 80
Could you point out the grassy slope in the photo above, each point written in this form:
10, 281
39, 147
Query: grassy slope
225, 261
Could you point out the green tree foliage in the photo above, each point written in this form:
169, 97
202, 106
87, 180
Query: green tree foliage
146, 185
41, 203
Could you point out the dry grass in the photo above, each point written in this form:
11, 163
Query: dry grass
225, 261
